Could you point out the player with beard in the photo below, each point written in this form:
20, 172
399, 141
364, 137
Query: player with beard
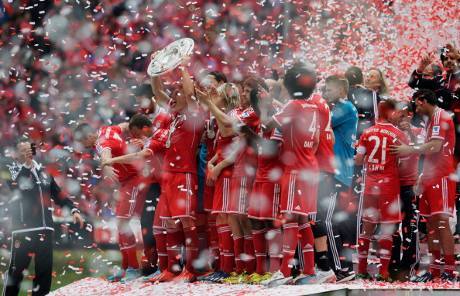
437, 189
110, 141
152, 139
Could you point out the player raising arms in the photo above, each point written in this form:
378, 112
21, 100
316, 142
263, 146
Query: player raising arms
380, 202
299, 124
437, 198
179, 185
265, 196
222, 104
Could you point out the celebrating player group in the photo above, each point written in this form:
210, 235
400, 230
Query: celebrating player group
279, 182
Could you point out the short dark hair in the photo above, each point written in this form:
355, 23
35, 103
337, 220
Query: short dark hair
140, 121
337, 80
427, 95
82, 131
300, 81
219, 76
354, 75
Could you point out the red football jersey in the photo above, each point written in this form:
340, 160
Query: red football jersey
299, 124
184, 136
441, 164
156, 144
269, 167
381, 167
325, 152
246, 160
408, 166
110, 137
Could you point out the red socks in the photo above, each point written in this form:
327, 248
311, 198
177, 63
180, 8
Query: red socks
127, 243
260, 250
227, 261
290, 239
385, 246
435, 267
275, 242
307, 242
160, 238
213, 242
249, 260
191, 247
449, 267
174, 238
363, 251
238, 247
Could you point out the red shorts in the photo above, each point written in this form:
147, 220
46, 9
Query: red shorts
179, 191
208, 194
438, 197
264, 200
131, 198
221, 195
240, 187
381, 208
299, 195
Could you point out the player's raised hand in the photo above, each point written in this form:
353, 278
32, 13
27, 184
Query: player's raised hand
202, 96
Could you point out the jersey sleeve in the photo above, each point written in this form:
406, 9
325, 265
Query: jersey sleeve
440, 128
276, 135
108, 138
362, 144
158, 141
105, 144
249, 118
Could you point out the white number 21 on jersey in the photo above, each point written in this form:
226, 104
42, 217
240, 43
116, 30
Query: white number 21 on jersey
376, 139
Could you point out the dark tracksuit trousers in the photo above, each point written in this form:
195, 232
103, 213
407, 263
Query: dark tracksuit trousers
25, 246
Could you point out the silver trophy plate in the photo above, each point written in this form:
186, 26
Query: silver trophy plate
170, 57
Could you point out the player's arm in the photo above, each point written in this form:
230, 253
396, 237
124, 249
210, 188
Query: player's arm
108, 171
217, 169
433, 146
128, 158
360, 151
212, 161
58, 197
359, 159
159, 94
187, 82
